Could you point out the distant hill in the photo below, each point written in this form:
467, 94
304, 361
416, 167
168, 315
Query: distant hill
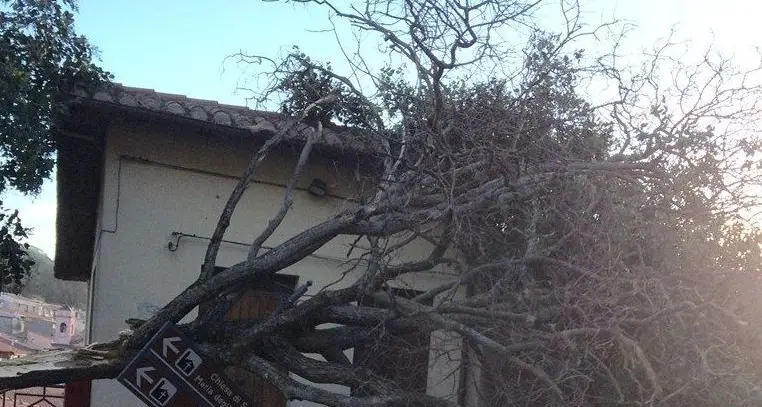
41, 283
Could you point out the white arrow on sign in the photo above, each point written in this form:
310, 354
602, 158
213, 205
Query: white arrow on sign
142, 373
167, 344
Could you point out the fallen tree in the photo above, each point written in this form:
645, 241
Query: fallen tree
598, 252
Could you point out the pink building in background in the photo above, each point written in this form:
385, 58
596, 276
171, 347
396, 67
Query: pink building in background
65, 327
29, 326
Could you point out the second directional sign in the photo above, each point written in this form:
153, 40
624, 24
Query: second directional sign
170, 372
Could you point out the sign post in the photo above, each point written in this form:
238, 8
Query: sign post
170, 372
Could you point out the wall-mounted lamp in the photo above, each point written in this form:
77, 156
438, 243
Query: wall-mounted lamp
318, 187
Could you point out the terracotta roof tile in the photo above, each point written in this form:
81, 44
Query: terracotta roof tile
342, 139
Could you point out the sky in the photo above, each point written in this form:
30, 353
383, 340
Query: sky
182, 47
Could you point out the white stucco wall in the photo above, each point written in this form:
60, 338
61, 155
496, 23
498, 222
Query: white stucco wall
157, 182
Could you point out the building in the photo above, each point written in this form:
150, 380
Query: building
27, 307
142, 179
29, 326
11, 347
65, 323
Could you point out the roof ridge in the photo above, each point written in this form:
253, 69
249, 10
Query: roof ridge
341, 139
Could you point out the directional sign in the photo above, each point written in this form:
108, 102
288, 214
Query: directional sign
142, 375
157, 385
169, 371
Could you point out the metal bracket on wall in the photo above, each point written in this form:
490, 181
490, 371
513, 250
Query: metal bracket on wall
174, 240
173, 243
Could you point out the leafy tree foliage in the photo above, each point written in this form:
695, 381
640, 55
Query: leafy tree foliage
657, 253
15, 262
41, 283
41, 59
306, 82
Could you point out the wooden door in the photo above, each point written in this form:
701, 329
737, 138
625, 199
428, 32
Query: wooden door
258, 304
